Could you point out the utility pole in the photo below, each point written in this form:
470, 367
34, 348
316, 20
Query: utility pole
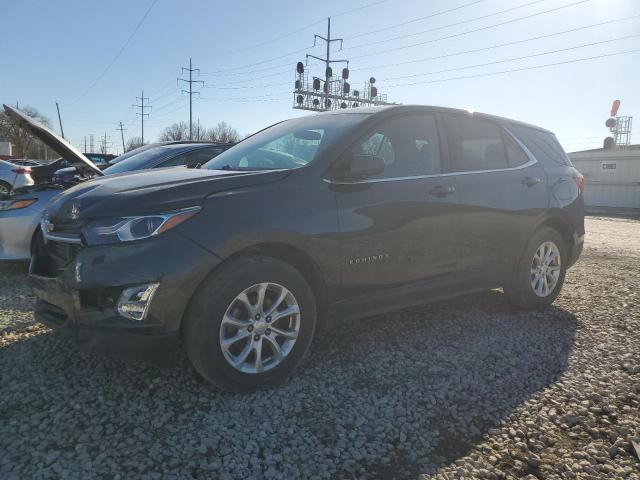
190, 92
122, 129
91, 150
104, 144
198, 131
328, 73
142, 113
60, 120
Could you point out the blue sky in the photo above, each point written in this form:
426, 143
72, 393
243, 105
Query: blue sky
55, 51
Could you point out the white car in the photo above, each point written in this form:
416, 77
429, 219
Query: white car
13, 176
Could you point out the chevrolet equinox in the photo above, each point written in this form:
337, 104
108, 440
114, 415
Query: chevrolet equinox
309, 221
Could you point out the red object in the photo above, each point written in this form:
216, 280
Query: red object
22, 170
580, 182
614, 108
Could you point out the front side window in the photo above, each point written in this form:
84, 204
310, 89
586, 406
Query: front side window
287, 145
474, 144
407, 144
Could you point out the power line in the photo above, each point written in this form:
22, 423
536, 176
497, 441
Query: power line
626, 37
424, 59
502, 72
475, 30
288, 54
500, 45
455, 24
104, 72
524, 57
301, 29
419, 19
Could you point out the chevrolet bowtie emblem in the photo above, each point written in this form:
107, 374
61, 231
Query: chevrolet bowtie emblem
75, 212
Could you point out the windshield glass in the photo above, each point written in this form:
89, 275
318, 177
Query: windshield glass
290, 144
131, 153
146, 158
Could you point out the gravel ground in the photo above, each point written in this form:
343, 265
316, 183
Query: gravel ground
466, 389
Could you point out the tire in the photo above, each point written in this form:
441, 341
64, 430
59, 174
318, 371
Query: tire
521, 291
5, 188
220, 297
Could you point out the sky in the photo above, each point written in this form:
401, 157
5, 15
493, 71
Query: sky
94, 58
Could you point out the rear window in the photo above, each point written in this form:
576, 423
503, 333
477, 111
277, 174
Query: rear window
544, 145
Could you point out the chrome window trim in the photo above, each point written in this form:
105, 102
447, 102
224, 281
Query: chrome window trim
532, 161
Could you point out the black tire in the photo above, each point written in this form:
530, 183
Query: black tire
5, 188
520, 291
202, 327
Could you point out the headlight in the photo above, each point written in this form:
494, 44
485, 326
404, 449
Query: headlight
16, 204
126, 229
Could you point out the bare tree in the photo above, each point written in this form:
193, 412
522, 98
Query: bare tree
25, 145
222, 133
133, 143
178, 131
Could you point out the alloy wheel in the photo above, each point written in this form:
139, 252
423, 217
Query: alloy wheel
260, 327
545, 269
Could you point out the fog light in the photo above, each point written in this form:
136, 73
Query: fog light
134, 301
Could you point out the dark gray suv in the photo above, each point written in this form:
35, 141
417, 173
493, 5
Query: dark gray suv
305, 223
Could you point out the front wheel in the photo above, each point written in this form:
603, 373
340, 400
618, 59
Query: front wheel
250, 324
539, 274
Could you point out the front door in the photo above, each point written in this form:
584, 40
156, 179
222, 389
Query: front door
395, 227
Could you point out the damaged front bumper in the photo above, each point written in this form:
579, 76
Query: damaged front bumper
126, 300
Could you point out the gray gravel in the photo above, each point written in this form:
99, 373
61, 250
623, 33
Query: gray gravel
465, 389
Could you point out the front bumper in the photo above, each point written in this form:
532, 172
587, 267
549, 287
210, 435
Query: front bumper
82, 299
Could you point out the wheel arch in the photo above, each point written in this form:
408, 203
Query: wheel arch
290, 254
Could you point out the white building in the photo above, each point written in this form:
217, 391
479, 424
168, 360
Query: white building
612, 179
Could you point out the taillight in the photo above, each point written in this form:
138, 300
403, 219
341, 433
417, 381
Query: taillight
580, 182
22, 170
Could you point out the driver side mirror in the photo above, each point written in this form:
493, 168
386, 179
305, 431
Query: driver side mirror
360, 166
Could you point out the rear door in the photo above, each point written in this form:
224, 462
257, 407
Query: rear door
503, 191
394, 227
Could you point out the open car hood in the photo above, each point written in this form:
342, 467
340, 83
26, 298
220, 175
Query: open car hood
53, 141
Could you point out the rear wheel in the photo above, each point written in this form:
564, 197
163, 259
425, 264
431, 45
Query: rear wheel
539, 274
250, 324
5, 188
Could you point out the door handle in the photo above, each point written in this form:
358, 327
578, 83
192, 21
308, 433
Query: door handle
531, 181
442, 190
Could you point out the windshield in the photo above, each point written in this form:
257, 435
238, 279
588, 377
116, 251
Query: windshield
146, 158
287, 145
131, 153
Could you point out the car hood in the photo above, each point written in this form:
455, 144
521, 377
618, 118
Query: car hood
53, 141
151, 191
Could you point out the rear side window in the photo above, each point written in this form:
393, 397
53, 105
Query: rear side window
408, 145
515, 155
544, 145
474, 144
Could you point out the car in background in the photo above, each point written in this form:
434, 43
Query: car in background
100, 160
13, 176
157, 155
20, 213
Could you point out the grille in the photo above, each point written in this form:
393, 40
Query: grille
53, 258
